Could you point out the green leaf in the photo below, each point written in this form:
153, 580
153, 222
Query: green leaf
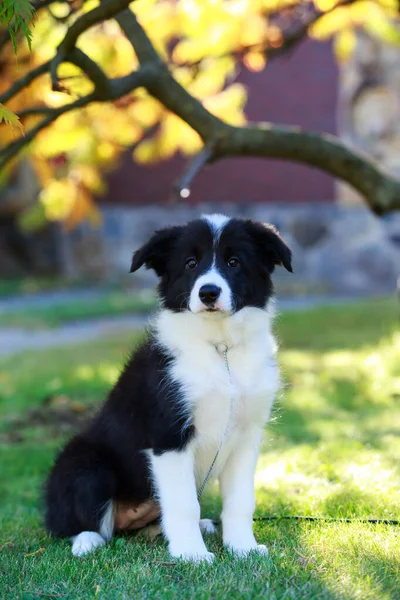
16, 16
10, 118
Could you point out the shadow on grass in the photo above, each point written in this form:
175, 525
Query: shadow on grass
331, 451
348, 326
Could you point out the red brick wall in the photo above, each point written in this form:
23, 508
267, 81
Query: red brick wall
299, 89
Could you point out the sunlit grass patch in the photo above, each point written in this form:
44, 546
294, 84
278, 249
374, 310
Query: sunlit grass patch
332, 450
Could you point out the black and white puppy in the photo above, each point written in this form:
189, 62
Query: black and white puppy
150, 447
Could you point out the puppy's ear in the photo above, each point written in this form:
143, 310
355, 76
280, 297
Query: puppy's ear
271, 245
154, 253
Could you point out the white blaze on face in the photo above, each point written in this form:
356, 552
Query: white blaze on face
213, 277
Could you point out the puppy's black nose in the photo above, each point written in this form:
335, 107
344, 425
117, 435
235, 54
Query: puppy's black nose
209, 293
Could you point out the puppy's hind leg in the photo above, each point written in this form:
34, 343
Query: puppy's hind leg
87, 541
208, 526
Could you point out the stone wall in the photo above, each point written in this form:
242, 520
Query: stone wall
340, 250
369, 105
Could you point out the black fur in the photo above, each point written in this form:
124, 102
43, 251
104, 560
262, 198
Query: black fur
143, 410
106, 460
259, 248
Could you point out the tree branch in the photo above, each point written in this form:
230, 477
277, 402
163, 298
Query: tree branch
292, 36
182, 186
162, 85
92, 70
117, 87
23, 83
5, 39
106, 10
7, 153
325, 152
221, 140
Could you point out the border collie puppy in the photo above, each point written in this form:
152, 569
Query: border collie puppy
201, 386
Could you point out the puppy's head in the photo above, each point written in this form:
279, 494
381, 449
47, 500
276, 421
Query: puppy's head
214, 264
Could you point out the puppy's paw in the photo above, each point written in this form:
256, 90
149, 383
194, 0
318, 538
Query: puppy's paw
195, 555
86, 542
196, 558
245, 551
261, 549
207, 526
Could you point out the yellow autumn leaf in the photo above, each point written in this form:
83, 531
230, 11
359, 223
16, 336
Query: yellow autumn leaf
254, 30
228, 105
255, 61
145, 111
58, 198
145, 152
212, 76
325, 5
331, 23
344, 44
189, 140
82, 208
168, 137
384, 29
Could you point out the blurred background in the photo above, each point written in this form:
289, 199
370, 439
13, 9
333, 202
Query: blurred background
90, 188
93, 186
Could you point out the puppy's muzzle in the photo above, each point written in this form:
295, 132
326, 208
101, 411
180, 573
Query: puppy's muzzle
209, 294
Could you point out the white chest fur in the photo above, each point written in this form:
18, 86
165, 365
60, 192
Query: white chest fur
214, 396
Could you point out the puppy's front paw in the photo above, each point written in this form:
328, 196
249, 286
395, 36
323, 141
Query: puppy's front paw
195, 557
261, 549
86, 542
245, 551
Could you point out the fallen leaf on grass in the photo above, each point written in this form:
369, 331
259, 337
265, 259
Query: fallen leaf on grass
7, 544
36, 552
303, 560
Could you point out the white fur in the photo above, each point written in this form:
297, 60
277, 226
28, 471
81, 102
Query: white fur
209, 391
173, 474
216, 221
212, 276
107, 522
152, 531
207, 526
86, 542
237, 490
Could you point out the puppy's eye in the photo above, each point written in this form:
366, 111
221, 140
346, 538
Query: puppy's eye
233, 262
191, 263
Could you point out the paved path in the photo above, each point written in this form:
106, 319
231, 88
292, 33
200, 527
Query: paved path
46, 299
14, 340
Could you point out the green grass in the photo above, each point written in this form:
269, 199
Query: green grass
333, 450
107, 304
26, 286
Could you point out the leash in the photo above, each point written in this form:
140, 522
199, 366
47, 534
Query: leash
394, 522
222, 349
389, 522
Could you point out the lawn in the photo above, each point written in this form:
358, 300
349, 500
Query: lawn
332, 450
107, 303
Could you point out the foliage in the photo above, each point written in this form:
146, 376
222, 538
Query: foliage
9, 117
332, 450
17, 15
204, 42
